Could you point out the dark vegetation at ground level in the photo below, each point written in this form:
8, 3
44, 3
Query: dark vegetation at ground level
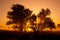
10, 35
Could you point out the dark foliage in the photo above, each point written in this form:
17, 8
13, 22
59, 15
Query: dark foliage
47, 21
18, 15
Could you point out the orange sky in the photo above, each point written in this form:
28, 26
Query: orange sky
34, 5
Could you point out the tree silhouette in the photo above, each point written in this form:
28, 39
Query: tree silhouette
44, 13
46, 21
58, 25
18, 15
33, 24
49, 23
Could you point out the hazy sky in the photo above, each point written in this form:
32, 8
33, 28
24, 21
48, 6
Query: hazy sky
34, 5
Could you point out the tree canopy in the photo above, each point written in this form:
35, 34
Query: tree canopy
20, 15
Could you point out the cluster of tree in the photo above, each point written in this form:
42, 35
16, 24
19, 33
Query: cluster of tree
20, 15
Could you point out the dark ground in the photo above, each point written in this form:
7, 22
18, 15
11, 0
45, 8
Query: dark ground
12, 35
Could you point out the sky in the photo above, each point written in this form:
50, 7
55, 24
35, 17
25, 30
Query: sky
34, 5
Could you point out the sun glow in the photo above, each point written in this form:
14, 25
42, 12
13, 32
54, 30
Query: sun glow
38, 20
27, 27
29, 30
7, 28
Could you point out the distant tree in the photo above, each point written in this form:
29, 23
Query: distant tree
58, 25
18, 15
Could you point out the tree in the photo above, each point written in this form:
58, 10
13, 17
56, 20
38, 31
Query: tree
18, 15
44, 13
49, 23
46, 21
33, 24
58, 25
